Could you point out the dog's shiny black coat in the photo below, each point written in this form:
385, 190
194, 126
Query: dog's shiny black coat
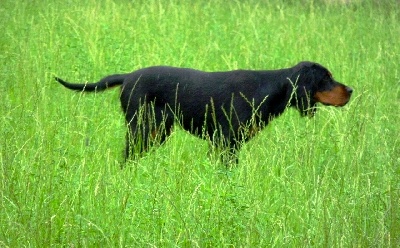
226, 108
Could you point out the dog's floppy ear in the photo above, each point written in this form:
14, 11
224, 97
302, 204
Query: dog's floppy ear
306, 78
309, 74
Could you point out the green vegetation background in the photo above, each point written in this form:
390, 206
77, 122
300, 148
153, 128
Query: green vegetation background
329, 181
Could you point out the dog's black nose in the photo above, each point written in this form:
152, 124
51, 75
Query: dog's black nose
349, 90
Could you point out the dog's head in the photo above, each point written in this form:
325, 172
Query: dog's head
314, 83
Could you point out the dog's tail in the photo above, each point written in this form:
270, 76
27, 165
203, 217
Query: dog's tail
103, 84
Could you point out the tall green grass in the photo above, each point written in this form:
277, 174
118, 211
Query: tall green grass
329, 181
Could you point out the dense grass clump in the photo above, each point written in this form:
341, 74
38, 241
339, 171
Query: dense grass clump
329, 181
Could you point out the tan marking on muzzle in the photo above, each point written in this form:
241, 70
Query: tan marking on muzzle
338, 96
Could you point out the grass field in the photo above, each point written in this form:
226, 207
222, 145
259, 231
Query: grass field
328, 181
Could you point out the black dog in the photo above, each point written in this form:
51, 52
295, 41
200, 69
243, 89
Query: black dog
226, 108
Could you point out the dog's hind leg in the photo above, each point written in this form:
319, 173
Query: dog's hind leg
164, 120
134, 145
150, 128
